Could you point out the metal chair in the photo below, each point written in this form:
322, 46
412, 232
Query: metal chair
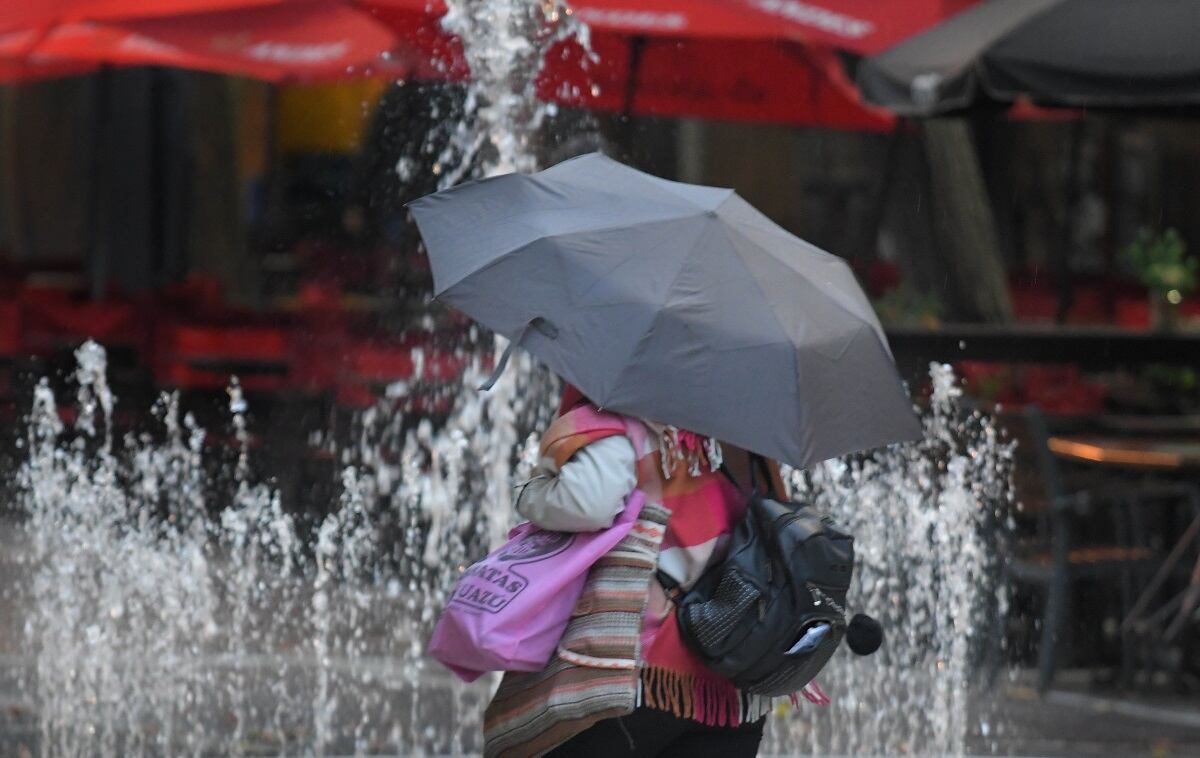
1059, 559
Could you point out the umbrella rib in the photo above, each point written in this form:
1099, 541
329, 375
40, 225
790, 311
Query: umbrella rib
837, 261
755, 219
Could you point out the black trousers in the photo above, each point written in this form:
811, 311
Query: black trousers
649, 733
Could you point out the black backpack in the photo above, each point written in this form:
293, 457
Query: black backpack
787, 572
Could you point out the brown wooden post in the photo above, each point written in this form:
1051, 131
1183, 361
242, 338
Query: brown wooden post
963, 222
217, 239
12, 221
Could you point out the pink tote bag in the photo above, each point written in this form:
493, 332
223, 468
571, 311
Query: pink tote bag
509, 610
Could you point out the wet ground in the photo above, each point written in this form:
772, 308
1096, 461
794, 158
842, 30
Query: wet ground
1077, 720
1063, 724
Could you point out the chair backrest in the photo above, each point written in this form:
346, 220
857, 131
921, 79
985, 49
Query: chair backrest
1036, 476
1039, 439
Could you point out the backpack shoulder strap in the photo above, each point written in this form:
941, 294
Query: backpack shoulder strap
758, 467
670, 587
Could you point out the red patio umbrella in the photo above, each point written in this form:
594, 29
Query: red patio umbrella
726, 79
18, 63
723, 59
18, 42
23, 22
36, 68
859, 26
267, 39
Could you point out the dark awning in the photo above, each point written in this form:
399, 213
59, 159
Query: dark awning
1072, 53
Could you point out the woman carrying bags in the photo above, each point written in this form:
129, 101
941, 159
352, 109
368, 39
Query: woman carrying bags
681, 303
623, 681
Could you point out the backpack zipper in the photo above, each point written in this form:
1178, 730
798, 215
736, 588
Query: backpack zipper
819, 597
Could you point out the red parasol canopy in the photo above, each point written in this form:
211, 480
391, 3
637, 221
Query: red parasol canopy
859, 26
34, 68
25, 21
757, 60
265, 39
727, 79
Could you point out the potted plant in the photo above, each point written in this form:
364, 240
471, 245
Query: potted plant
903, 305
1161, 262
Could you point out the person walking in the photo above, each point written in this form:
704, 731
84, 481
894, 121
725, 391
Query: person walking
683, 304
624, 682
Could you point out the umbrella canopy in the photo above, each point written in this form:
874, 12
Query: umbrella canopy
859, 26
26, 15
747, 60
33, 69
274, 41
673, 302
778, 82
18, 64
1079, 53
25, 22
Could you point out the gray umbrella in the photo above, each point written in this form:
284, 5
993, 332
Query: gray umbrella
673, 302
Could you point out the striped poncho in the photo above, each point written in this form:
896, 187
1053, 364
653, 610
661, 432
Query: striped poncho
622, 648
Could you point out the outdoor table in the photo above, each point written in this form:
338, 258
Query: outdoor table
1148, 454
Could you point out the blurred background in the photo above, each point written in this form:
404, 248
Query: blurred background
216, 187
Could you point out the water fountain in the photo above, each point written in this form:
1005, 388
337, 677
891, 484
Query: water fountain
167, 611
929, 521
